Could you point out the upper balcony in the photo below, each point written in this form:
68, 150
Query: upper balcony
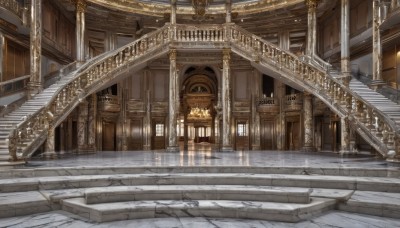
108, 103
293, 102
268, 105
14, 15
391, 14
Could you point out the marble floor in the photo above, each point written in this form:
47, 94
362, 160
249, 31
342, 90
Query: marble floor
202, 155
331, 219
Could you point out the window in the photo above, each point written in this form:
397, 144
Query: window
242, 129
159, 129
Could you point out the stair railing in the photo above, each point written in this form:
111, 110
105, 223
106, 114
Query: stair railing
373, 124
31, 133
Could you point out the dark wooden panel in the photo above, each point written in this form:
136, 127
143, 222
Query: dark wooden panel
108, 136
136, 135
268, 140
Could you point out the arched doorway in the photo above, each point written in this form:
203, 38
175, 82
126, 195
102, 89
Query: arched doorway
199, 97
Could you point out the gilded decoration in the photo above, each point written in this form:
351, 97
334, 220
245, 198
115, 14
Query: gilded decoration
160, 9
80, 5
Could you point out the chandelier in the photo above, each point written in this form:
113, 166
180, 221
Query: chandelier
200, 6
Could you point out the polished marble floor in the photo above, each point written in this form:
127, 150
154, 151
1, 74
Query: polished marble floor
203, 155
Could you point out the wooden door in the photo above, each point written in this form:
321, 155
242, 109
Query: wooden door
136, 135
268, 141
242, 135
109, 140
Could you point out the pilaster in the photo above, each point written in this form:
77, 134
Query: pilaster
82, 126
228, 9
345, 40
311, 48
345, 136
92, 115
377, 81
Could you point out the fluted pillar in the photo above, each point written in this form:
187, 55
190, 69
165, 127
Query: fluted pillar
173, 12
82, 126
344, 136
228, 8
80, 30
308, 123
345, 40
173, 112
311, 48
35, 84
376, 46
226, 102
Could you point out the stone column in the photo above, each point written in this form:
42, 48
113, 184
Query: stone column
311, 48
92, 113
147, 123
376, 46
345, 40
80, 30
173, 112
344, 135
308, 123
226, 102
35, 84
228, 8
255, 116
62, 138
173, 12
50, 148
69, 133
82, 126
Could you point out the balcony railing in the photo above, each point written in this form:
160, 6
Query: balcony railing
14, 85
13, 6
268, 104
108, 103
293, 102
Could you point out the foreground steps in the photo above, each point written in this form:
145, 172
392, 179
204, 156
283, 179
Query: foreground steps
201, 208
267, 193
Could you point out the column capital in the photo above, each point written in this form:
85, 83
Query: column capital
226, 54
312, 3
80, 5
172, 54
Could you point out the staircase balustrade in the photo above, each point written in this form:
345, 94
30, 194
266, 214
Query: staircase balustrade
381, 131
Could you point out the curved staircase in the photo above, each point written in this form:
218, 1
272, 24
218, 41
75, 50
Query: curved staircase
289, 194
374, 118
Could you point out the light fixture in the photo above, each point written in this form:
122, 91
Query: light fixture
200, 6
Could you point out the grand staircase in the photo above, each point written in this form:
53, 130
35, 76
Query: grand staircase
372, 116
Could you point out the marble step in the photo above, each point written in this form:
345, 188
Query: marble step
197, 192
287, 212
306, 181
23, 203
111, 170
373, 203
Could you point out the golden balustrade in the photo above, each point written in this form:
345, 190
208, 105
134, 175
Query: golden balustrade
13, 6
365, 118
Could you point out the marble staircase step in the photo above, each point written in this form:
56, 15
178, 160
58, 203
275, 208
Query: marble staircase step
23, 203
373, 203
306, 181
197, 192
202, 208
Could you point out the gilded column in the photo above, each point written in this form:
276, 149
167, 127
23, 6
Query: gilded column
92, 122
173, 112
82, 126
376, 46
255, 116
69, 134
311, 48
2, 47
35, 84
308, 123
344, 136
345, 40
49, 147
80, 30
62, 138
173, 12
228, 8
226, 102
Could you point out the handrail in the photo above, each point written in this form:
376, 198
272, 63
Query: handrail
14, 80
370, 122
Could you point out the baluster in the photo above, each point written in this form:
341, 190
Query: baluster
379, 128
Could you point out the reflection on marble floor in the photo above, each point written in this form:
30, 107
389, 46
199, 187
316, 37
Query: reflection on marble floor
331, 219
203, 155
